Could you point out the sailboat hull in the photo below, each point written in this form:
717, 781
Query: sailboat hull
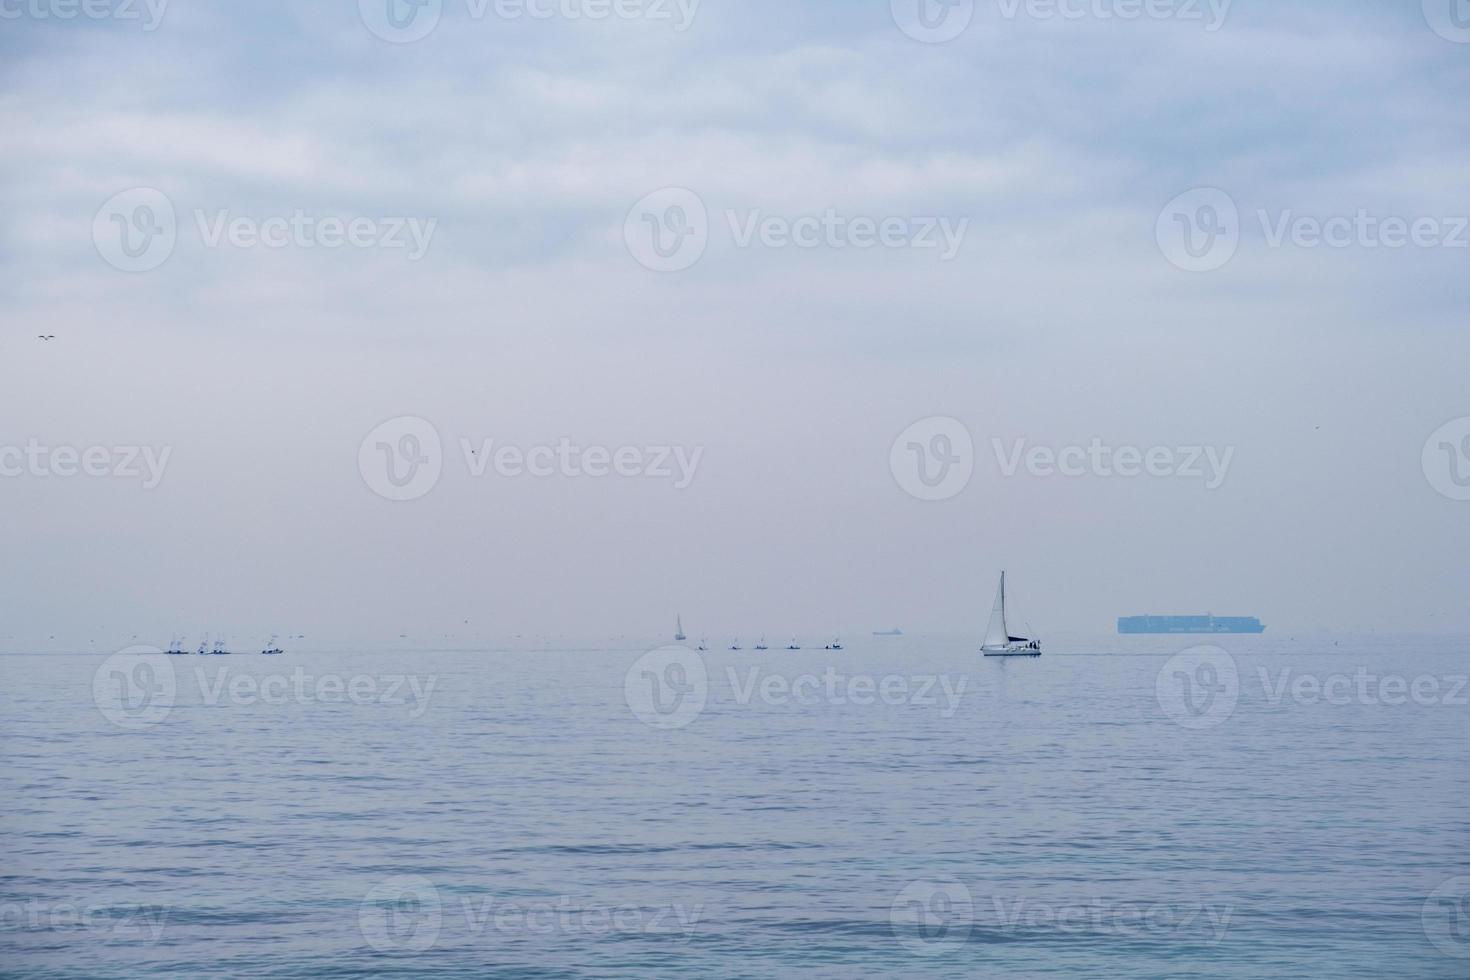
1012, 653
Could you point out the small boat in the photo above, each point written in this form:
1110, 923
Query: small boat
793, 645
834, 645
736, 644
274, 648
679, 636
703, 643
204, 645
176, 647
762, 644
219, 649
998, 639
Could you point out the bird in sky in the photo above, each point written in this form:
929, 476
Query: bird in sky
46, 336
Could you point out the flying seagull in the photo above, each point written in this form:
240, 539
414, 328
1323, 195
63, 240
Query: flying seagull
46, 336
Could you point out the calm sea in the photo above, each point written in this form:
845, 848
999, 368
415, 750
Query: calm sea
1271, 808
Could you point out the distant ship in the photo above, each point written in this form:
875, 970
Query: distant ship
893, 632
1190, 624
998, 639
273, 649
679, 636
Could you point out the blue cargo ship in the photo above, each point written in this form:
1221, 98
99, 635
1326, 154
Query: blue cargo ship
1190, 624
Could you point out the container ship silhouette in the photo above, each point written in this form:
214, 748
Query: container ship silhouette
1190, 624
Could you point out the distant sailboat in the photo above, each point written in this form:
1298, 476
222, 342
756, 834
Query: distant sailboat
204, 645
219, 649
762, 644
273, 649
735, 645
998, 639
679, 636
704, 643
793, 645
835, 645
176, 647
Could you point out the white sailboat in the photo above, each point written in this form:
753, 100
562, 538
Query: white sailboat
998, 639
679, 636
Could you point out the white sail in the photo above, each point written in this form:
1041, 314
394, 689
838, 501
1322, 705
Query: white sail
997, 635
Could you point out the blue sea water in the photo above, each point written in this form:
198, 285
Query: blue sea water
1274, 808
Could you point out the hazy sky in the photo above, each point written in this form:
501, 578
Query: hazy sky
1052, 148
